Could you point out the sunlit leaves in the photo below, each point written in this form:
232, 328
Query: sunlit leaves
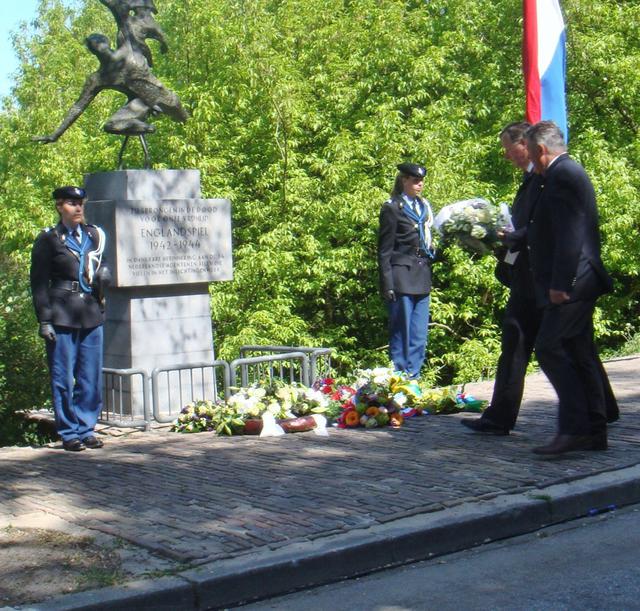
300, 112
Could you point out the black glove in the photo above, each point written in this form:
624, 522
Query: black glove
102, 278
390, 295
47, 332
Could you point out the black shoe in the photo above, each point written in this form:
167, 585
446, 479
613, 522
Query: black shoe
93, 443
482, 425
73, 445
566, 443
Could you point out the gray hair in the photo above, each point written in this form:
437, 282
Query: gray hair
548, 134
515, 131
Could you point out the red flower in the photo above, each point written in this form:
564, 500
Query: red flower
351, 418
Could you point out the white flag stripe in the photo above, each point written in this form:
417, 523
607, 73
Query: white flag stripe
550, 28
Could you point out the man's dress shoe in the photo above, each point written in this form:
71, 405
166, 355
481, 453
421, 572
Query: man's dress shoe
73, 445
93, 443
566, 443
482, 425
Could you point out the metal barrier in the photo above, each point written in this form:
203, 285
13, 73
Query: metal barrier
186, 386
319, 358
117, 384
255, 365
320, 364
173, 387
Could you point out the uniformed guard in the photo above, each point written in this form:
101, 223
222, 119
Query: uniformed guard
405, 256
67, 281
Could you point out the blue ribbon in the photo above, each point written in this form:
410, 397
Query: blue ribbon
81, 249
419, 219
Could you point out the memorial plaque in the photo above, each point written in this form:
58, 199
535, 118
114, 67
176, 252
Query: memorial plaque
172, 241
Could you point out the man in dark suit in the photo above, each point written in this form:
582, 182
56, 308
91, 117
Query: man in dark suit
522, 315
405, 255
564, 249
66, 279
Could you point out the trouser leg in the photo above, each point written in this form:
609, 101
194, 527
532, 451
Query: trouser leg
61, 356
584, 355
519, 330
418, 333
87, 393
565, 355
610, 401
399, 324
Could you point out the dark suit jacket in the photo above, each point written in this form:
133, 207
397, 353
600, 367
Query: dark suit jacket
564, 238
52, 261
518, 275
402, 264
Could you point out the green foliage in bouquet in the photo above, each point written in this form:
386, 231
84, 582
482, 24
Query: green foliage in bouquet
203, 415
297, 399
449, 400
440, 400
228, 417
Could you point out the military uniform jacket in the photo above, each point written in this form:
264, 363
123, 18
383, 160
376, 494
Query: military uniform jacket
564, 238
51, 263
517, 276
403, 265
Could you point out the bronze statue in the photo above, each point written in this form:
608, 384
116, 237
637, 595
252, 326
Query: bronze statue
136, 23
126, 69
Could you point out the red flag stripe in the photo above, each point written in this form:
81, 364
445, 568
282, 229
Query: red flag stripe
530, 62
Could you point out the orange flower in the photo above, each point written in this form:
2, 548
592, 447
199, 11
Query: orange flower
372, 411
352, 418
396, 420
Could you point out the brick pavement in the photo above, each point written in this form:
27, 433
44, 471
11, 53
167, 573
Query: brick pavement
199, 498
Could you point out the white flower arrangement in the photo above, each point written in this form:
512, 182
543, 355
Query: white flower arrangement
474, 223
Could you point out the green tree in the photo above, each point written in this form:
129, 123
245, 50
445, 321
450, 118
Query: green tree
300, 112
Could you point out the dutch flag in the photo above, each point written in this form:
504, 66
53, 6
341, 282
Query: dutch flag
544, 62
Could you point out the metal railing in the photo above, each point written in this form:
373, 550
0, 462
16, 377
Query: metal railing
186, 389
168, 389
118, 384
319, 358
288, 366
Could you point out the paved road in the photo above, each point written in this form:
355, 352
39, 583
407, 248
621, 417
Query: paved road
199, 500
589, 564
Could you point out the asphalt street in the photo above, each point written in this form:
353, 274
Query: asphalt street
587, 564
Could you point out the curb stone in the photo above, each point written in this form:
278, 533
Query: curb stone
336, 557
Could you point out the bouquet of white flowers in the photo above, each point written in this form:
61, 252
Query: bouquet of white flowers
474, 223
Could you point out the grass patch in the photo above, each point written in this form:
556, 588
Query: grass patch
36, 564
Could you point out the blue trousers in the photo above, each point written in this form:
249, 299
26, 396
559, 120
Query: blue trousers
408, 326
75, 365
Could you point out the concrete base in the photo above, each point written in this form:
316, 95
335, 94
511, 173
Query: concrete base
149, 327
154, 327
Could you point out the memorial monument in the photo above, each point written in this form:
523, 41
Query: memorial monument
165, 243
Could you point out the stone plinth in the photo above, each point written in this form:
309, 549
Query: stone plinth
164, 245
